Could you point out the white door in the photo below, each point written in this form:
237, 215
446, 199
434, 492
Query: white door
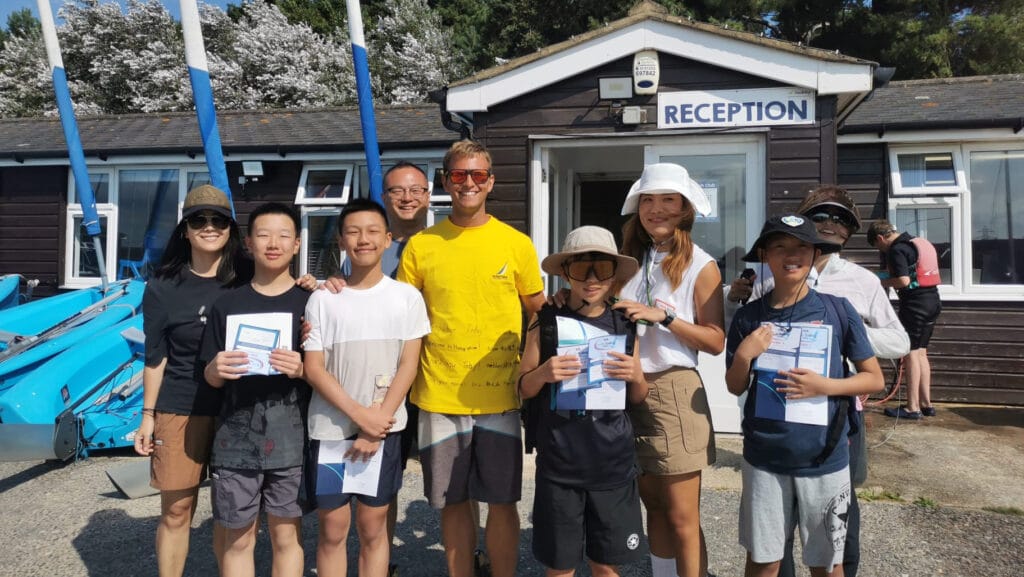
731, 170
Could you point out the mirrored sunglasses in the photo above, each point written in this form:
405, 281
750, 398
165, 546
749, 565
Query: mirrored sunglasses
201, 221
580, 270
459, 175
820, 217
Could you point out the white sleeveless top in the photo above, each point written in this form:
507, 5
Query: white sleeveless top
659, 349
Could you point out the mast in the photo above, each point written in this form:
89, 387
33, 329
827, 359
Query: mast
365, 94
83, 188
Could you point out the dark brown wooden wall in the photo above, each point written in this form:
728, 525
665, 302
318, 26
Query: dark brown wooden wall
34, 206
32, 222
977, 351
797, 161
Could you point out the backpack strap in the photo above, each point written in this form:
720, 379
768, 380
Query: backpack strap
531, 408
835, 311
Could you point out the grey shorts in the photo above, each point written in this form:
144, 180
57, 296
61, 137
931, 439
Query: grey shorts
772, 504
478, 457
238, 495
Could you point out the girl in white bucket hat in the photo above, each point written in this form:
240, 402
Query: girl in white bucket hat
677, 298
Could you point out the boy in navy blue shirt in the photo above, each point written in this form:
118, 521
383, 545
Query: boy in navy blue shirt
795, 452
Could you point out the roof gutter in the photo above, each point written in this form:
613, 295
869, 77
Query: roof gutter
450, 120
880, 128
880, 76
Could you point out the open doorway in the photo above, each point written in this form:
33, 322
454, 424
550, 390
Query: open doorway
600, 204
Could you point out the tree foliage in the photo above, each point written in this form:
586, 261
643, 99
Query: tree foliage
280, 53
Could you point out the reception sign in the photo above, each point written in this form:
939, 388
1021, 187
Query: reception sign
729, 108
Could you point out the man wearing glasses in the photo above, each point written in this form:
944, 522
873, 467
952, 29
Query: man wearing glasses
476, 273
406, 200
834, 215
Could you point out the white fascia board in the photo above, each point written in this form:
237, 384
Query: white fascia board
750, 58
927, 136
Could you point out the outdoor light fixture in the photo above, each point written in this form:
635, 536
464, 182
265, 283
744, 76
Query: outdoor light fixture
252, 168
615, 88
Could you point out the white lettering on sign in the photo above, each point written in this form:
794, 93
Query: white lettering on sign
757, 107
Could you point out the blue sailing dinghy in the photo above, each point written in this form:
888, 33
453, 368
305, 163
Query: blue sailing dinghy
87, 397
34, 332
9, 291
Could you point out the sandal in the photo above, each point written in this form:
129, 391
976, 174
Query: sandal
901, 412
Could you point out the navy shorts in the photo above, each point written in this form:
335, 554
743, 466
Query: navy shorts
387, 486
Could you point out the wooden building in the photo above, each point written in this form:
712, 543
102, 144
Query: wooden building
757, 122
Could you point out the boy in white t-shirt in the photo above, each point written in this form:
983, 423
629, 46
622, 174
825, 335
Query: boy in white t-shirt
362, 355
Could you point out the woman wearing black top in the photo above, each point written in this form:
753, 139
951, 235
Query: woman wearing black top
203, 258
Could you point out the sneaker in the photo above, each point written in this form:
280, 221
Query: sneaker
903, 413
928, 411
481, 564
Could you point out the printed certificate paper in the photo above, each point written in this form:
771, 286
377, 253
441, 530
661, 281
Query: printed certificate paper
803, 345
591, 389
336, 475
258, 335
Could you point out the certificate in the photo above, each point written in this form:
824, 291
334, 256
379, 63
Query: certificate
259, 334
336, 475
591, 389
804, 345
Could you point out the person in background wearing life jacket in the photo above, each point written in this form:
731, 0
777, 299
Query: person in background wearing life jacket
913, 268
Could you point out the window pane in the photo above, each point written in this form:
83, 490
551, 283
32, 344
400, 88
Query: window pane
930, 169
935, 226
148, 213
997, 217
325, 184
86, 264
100, 184
324, 257
197, 179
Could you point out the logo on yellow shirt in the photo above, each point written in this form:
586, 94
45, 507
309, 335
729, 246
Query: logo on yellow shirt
502, 273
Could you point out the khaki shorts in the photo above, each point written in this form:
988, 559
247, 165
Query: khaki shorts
181, 451
673, 424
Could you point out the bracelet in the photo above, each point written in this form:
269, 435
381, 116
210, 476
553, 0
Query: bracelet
149, 411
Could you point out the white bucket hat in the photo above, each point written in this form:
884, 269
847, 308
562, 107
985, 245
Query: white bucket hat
667, 178
591, 239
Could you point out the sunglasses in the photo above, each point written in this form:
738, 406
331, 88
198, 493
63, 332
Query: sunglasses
580, 270
201, 221
820, 217
459, 175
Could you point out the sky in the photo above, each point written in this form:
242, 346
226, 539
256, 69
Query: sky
8, 6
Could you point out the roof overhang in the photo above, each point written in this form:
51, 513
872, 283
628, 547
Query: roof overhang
824, 76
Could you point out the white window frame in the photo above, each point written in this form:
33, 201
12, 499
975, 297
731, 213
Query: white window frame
951, 287
999, 292
346, 193
306, 213
960, 187
959, 200
110, 211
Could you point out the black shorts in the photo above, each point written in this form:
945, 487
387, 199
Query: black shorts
918, 312
567, 520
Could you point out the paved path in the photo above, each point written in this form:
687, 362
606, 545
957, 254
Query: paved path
68, 520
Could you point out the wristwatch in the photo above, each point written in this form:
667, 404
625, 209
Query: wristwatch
669, 317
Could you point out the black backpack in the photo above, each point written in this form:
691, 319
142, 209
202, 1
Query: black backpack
847, 407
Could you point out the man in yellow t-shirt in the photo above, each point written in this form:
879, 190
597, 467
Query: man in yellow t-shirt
474, 271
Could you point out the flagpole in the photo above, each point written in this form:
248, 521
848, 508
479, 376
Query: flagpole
202, 95
83, 188
365, 94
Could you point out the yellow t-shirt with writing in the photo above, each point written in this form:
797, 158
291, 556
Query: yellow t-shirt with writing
471, 280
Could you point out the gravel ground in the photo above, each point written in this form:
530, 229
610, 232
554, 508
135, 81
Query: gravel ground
68, 520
